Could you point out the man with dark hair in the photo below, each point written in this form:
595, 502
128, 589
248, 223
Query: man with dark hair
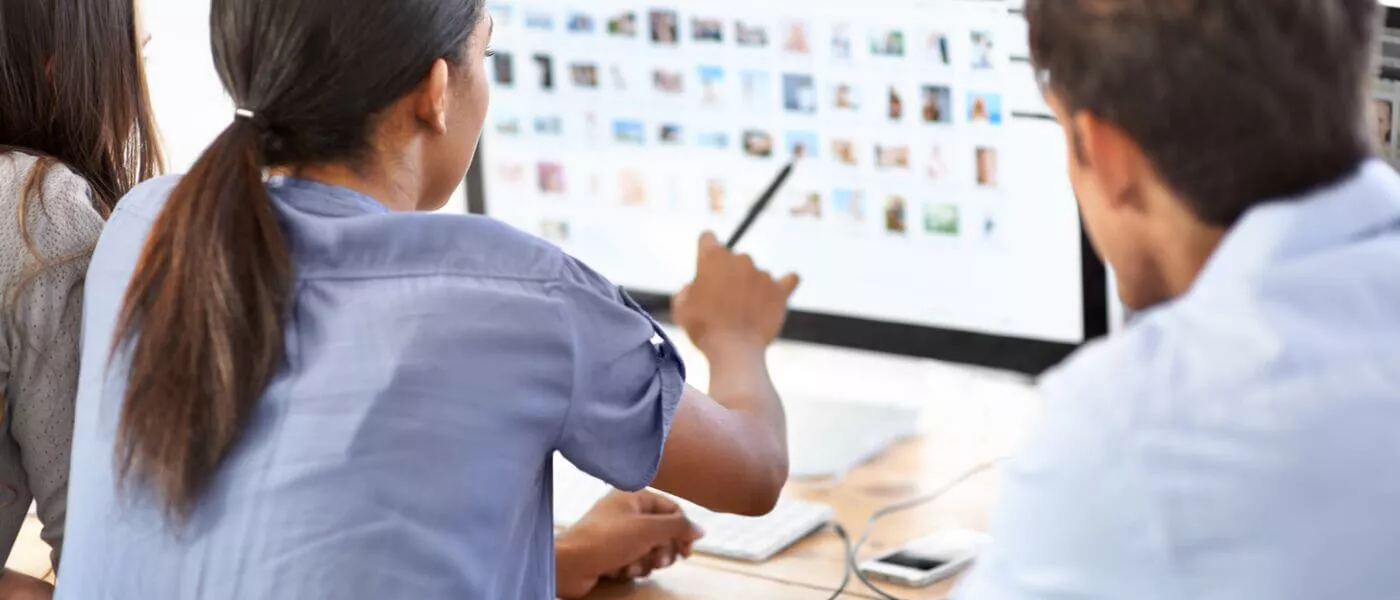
1240, 441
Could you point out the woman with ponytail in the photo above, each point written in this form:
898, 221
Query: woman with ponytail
76, 133
296, 385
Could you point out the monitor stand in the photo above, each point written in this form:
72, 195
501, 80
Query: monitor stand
847, 407
827, 438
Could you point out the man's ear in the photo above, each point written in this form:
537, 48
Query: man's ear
430, 106
1112, 158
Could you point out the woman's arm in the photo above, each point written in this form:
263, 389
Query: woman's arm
18, 586
43, 386
728, 451
632, 420
45, 344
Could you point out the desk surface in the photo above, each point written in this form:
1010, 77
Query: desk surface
813, 568
971, 417
969, 427
963, 432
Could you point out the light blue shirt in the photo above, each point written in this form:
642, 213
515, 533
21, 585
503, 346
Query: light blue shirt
1239, 443
434, 365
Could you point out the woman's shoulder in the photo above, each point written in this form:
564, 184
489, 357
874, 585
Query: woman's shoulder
61, 185
56, 217
148, 197
479, 246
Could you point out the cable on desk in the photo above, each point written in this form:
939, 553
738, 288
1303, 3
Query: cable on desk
853, 550
846, 571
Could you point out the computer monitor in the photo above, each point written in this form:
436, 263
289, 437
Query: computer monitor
1386, 94
931, 214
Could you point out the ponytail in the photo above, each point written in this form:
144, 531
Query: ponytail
202, 322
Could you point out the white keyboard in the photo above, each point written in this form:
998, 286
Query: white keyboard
726, 536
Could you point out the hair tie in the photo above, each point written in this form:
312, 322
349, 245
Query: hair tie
256, 118
268, 141
259, 122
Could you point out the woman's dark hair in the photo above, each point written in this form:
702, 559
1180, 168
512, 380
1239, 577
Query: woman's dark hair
73, 92
203, 318
1235, 102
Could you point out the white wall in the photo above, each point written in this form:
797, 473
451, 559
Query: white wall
191, 107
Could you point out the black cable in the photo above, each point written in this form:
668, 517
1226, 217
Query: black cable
874, 588
850, 566
852, 550
849, 559
853, 568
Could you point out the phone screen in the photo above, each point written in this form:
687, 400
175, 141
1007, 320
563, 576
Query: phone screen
913, 561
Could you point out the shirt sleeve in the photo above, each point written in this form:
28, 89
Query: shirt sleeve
1073, 521
627, 382
45, 353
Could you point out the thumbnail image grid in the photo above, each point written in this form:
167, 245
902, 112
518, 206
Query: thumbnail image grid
872, 107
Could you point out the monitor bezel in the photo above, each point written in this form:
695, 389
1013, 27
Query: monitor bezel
1022, 355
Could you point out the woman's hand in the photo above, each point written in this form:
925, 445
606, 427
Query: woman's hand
731, 301
624, 536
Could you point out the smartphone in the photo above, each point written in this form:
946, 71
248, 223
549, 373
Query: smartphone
928, 560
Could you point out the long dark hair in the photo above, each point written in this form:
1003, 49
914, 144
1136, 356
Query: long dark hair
73, 92
73, 88
203, 317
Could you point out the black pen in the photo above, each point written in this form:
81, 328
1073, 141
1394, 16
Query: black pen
763, 202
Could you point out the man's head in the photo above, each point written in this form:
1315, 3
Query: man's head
1182, 115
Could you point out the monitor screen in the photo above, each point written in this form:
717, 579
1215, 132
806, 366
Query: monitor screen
1386, 99
932, 190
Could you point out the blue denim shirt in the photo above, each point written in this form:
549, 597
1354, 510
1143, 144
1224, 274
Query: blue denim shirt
434, 364
1239, 443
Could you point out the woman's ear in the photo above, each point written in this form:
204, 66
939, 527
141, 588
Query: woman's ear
433, 96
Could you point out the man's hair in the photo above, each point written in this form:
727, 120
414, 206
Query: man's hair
1235, 102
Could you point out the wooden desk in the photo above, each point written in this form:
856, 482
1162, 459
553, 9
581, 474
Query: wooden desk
961, 436
812, 569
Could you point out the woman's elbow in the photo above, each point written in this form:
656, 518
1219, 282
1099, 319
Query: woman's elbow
763, 500
765, 487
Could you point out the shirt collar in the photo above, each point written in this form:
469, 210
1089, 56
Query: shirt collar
1365, 204
324, 200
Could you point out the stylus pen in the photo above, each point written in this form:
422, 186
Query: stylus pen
761, 205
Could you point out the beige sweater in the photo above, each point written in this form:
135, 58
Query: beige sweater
40, 329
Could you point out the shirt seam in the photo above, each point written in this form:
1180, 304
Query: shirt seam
368, 274
552, 288
417, 274
670, 369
